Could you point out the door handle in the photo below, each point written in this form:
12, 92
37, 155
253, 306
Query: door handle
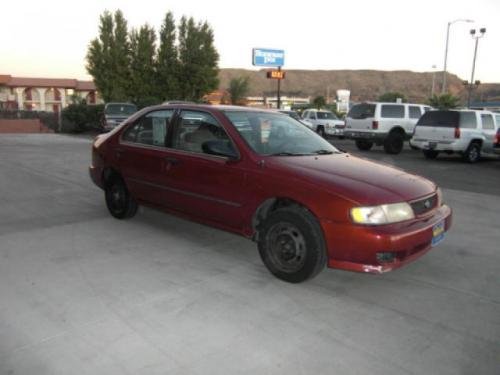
172, 160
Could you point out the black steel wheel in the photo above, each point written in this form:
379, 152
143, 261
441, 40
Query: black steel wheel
291, 244
118, 200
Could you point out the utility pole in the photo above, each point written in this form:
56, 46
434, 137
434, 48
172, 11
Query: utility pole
476, 37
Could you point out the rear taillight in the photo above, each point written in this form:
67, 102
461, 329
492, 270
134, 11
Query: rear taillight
375, 125
497, 137
457, 132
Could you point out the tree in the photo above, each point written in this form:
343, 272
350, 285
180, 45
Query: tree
167, 64
143, 85
319, 102
238, 89
392, 97
198, 60
444, 101
108, 57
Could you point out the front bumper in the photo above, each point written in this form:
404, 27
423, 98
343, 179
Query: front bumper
337, 132
96, 176
354, 247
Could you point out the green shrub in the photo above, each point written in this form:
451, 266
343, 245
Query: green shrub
80, 117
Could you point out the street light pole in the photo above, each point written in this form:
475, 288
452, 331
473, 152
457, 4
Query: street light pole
476, 37
443, 89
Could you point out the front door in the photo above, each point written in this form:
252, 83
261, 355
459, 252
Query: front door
200, 184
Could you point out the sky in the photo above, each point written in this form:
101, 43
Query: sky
50, 38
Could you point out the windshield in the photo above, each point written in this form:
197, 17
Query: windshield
120, 109
326, 116
276, 134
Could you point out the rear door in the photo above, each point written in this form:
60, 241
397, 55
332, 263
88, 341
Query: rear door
488, 130
360, 117
392, 115
141, 155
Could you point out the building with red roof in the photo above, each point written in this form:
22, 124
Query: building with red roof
43, 94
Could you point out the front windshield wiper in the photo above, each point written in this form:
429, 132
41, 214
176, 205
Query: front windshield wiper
323, 152
286, 154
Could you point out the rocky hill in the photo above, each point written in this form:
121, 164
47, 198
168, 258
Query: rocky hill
363, 84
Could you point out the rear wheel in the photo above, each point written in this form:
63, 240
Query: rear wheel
393, 144
363, 144
291, 244
473, 153
118, 200
321, 131
430, 154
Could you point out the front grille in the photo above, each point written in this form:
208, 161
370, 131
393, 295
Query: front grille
424, 205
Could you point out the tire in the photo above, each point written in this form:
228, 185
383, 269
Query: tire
363, 144
118, 200
393, 144
321, 131
473, 153
430, 154
291, 244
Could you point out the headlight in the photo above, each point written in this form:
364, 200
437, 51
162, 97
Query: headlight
384, 214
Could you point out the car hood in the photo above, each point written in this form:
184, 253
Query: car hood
359, 180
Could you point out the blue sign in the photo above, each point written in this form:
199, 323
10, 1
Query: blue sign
268, 57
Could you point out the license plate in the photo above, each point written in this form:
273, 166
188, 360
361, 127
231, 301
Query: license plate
437, 233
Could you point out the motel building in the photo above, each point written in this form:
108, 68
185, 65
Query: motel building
43, 94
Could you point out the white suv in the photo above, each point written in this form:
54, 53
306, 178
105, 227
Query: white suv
324, 122
387, 124
468, 132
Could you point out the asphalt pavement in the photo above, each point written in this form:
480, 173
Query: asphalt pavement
83, 293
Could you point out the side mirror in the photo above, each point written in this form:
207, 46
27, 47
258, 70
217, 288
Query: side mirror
219, 148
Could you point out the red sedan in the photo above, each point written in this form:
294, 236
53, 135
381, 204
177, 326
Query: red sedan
267, 177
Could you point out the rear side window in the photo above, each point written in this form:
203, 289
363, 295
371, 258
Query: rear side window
150, 129
415, 112
487, 121
393, 111
468, 120
439, 119
362, 111
497, 118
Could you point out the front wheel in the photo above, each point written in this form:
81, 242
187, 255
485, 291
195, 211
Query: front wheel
321, 131
363, 144
430, 154
118, 200
393, 144
291, 244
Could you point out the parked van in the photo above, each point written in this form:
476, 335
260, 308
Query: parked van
387, 124
467, 132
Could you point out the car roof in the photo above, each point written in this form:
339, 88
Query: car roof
371, 102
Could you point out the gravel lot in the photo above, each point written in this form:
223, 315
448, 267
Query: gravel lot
83, 293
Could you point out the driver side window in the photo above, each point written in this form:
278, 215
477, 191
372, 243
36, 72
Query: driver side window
195, 130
